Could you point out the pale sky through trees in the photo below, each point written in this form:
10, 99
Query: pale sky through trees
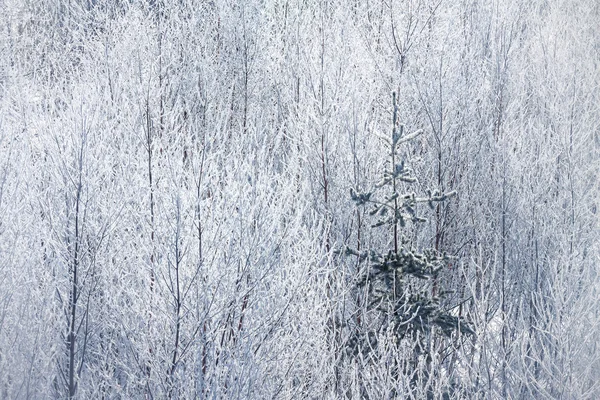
299, 199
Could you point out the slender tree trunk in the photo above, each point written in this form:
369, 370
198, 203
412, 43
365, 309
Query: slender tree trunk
178, 303
74, 295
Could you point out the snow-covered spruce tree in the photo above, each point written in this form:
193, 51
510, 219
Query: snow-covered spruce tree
402, 298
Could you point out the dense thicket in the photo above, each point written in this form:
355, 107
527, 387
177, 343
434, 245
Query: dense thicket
175, 180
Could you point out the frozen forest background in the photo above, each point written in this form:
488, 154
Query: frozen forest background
187, 190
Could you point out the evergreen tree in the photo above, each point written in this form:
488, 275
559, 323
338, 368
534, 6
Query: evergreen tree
402, 295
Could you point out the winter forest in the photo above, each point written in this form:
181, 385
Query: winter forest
300, 199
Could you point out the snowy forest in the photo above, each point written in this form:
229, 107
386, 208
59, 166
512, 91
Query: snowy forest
299, 199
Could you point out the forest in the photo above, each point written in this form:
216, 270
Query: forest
300, 199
